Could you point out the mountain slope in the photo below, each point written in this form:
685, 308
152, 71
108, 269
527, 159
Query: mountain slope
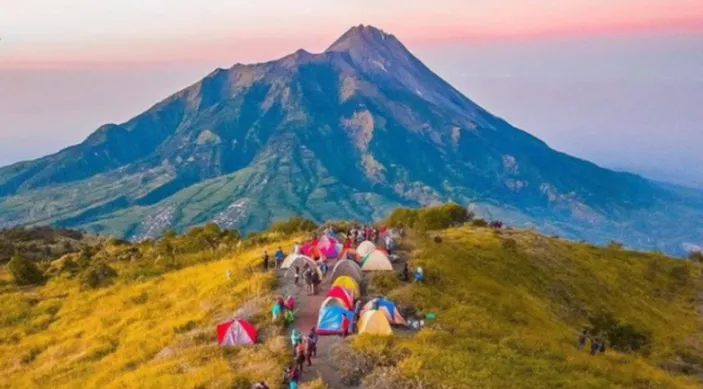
349, 133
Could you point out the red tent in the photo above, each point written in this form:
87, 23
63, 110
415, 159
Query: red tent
235, 331
343, 294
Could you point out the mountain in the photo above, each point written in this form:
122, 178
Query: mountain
348, 133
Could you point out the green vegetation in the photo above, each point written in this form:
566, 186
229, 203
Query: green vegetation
24, 271
294, 225
431, 218
509, 306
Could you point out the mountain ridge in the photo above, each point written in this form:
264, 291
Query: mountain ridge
350, 132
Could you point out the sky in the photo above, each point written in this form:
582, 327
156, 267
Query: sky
616, 82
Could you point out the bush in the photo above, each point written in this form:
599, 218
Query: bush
614, 245
294, 225
621, 336
479, 223
97, 275
24, 271
402, 217
431, 218
696, 256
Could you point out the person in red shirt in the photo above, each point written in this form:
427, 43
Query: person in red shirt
347, 243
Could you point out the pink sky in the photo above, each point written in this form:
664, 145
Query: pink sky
132, 33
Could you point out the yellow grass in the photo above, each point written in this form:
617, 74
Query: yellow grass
152, 334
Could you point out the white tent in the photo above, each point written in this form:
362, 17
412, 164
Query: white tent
365, 247
376, 261
301, 261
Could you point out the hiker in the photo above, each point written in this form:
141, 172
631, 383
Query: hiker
595, 346
315, 281
292, 376
389, 244
406, 272
297, 276
266, 260
602, 346
276, 311
419, 275
296, 248
295, 336
313, 338
309, 347
324, 268
583, 336
279, 257
261, 385
289, 316
345, 328
300, 355
357, 311
307, 276
347, 243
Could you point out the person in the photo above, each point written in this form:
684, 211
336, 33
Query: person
406, 272
289, 316
583, 336
345, 327
357, 311
297, 276
308, 350
261, 385
324, 268
279, 257
347, 243
292, 376
266, 260
300, 355
389, 244
315, 281
602, 347
595, 346
307, 276
276, 311
295, 336
313, 337
296, 248
419, 275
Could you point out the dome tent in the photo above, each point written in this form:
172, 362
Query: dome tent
235, 331
349, 268
365, 248
376, 261
301, 261
374, 322
333, 302
348, 283
333, 319
343, 294
328, 247
388, 308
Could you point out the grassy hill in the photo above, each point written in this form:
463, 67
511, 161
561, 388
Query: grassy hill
509, 306
150, 326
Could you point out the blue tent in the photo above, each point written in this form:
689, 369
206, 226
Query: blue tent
388, 307
332, 320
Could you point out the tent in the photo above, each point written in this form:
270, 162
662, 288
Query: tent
332, 320
333, 302
343, 294
301, 261
365, 247
388, 308
376, 261
328, 247
345, 267
349, 284
374, 323
289, 259
235, 331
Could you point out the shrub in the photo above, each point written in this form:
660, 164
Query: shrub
97, 275
614, 245
294, 225
402, 217
621, 336
479, 223
443, 216
696, 256
24, 271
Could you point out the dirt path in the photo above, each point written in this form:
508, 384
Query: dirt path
307, 308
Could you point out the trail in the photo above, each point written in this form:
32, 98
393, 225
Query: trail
307, 308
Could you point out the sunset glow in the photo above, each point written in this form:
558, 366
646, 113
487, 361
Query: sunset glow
71, 33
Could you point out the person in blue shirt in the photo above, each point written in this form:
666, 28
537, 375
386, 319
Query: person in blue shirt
279, 257
419, 275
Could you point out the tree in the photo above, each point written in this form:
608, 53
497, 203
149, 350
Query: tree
24, 271
696, 256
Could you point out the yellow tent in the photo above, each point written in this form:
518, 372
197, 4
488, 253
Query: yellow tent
376, 261
388, 308
365, 247
348, 283
374, 322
